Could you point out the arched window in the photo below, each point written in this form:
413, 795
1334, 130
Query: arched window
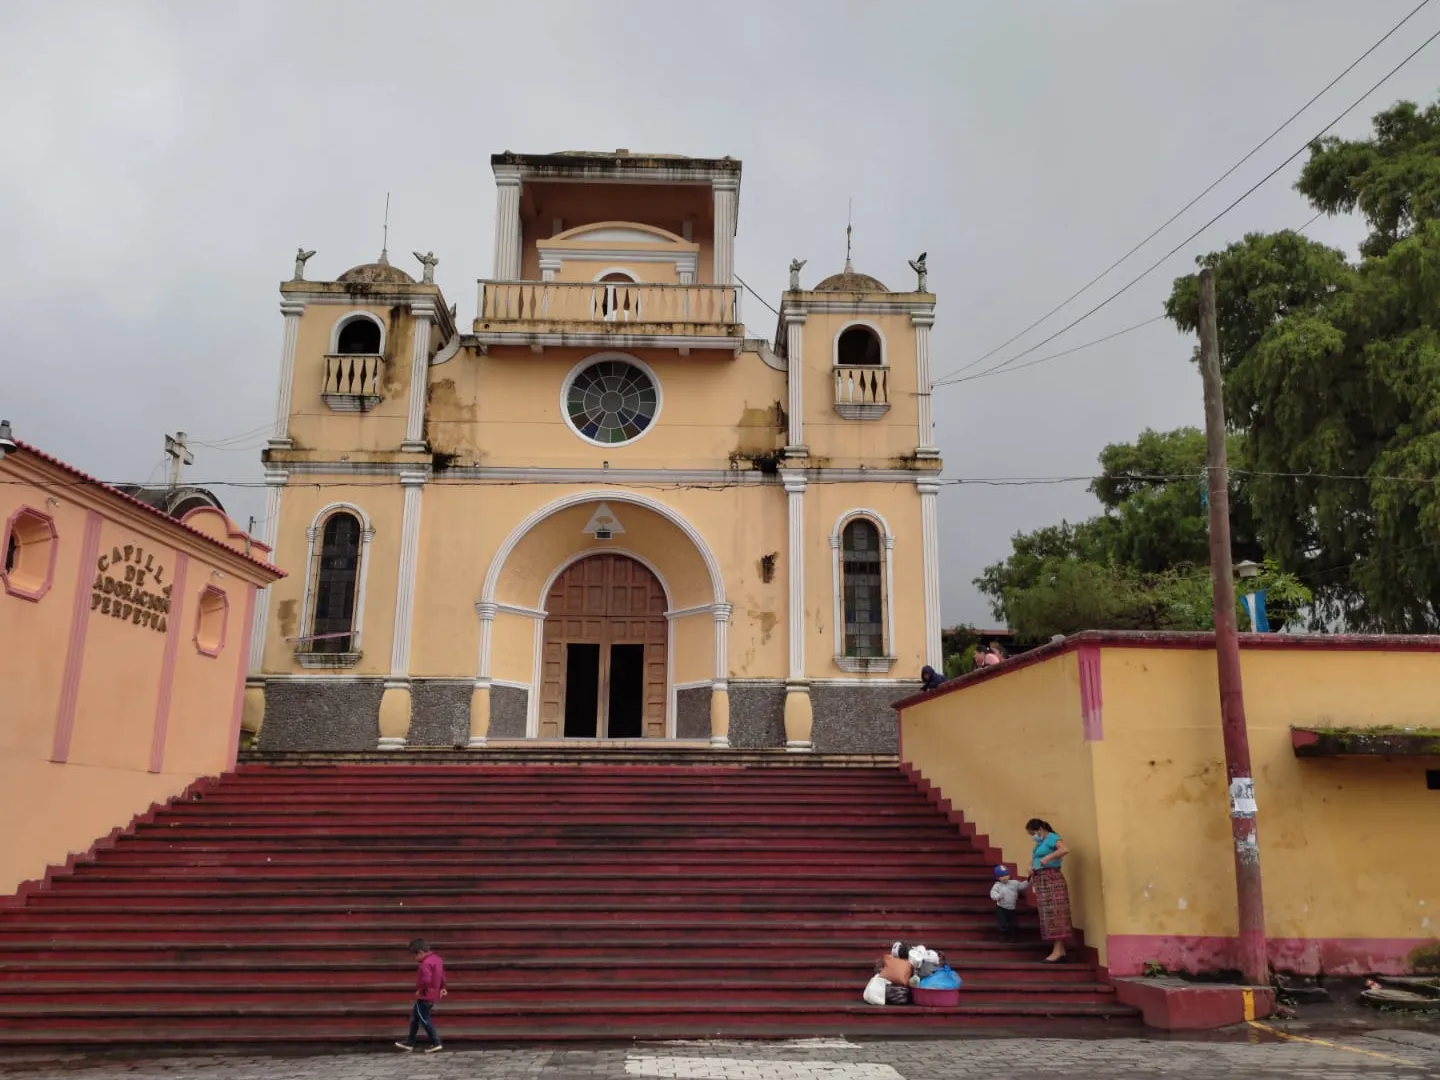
337, 576
359, 335
616, 301
859, 346
861, 577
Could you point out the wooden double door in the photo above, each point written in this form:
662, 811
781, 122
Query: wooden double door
603, 665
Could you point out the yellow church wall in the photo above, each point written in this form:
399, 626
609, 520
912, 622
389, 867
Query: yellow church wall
301, 502
694, 643
897, 506
847, 443
313, 424
1145, 804
712, 407
512, 648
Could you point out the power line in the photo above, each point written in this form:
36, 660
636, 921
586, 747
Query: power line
762, 300
1192, 202
1003, 369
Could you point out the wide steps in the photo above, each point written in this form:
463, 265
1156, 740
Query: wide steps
658, 894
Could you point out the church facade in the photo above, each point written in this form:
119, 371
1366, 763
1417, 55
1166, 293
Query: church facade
600, 511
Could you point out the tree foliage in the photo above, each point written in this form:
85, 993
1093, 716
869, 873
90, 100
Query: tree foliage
1141, 564
1333, 376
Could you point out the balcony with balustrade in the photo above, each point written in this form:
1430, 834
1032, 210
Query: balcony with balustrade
352, 381
862, 392
614, 314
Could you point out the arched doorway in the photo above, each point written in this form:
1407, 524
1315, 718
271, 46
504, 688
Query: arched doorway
604, 661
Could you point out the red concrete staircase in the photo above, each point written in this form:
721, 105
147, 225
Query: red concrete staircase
742, 895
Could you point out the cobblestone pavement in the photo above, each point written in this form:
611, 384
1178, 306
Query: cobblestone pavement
1246, 1056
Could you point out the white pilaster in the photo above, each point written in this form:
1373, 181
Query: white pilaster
726, 193
269, 529
795, 377
507, 223
413, 484
837, 586
721, 614
889, 542
795, 569
419, 377
366, 535
487, 610
925, 441
280, 438
930, 559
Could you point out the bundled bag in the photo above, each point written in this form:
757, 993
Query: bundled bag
942, 979
875, 991
897, 995
895, 970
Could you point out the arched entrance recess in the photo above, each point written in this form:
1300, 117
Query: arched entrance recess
604, 652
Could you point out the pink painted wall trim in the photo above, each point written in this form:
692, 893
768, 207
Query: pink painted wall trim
75, 648
167, 665
15, 588
1091, 700
219, 646
1127, 954
237, 710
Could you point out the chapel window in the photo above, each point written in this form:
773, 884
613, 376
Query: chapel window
860, 563
29, 554
611, 401
359, 335
337, 577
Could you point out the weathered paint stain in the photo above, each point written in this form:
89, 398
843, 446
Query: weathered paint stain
286, 615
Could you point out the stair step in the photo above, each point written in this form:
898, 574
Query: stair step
663, 894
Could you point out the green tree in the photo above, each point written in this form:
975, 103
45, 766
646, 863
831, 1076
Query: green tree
1333, 378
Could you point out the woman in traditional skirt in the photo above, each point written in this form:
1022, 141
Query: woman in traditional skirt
1047, 884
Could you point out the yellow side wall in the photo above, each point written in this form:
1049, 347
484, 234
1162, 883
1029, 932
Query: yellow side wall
1009, 749
1344, 891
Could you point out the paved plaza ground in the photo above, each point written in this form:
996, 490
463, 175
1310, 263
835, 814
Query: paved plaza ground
1235, 1055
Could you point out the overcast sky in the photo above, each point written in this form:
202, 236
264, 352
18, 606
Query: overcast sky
159, 164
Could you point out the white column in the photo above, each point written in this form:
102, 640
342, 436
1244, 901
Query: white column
925, 443
413, 484
280, 439
507, 223
837, 586
726, 192
308, 596
889, 542
795, 377
269, 529
419, 376
722, 647
795, 569
930, 558
358, 623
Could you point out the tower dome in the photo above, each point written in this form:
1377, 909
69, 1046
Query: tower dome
379, 272
850, 281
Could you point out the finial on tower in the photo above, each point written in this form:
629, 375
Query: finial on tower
384, 259
849, 219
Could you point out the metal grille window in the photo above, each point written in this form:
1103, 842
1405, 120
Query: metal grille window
336, 577
860, 560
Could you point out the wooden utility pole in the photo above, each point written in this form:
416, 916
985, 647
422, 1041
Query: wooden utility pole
1253, 961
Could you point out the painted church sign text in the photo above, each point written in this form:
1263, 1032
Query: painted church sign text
130, 586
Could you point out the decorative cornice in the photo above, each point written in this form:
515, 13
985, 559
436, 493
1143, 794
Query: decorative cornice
415, 478
900, 305
617, 477
486, 609
581, 339
276, 477
794, 482
927, 485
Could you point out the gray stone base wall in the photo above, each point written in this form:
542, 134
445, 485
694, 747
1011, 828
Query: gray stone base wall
757, 715
440, 712
321, 714
854, 718
508, 706
692, 713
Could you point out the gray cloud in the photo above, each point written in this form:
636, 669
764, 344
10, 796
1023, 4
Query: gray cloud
159, 163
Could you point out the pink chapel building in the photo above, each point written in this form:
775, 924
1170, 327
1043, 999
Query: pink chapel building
124, 641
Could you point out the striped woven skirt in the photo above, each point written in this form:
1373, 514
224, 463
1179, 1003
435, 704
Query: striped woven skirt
1052, 896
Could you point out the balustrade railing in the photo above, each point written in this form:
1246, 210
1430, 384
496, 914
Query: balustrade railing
352, 380
608, 301
862, 386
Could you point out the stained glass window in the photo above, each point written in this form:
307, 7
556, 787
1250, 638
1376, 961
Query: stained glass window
611, 401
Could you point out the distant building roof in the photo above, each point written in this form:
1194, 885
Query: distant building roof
174, 502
